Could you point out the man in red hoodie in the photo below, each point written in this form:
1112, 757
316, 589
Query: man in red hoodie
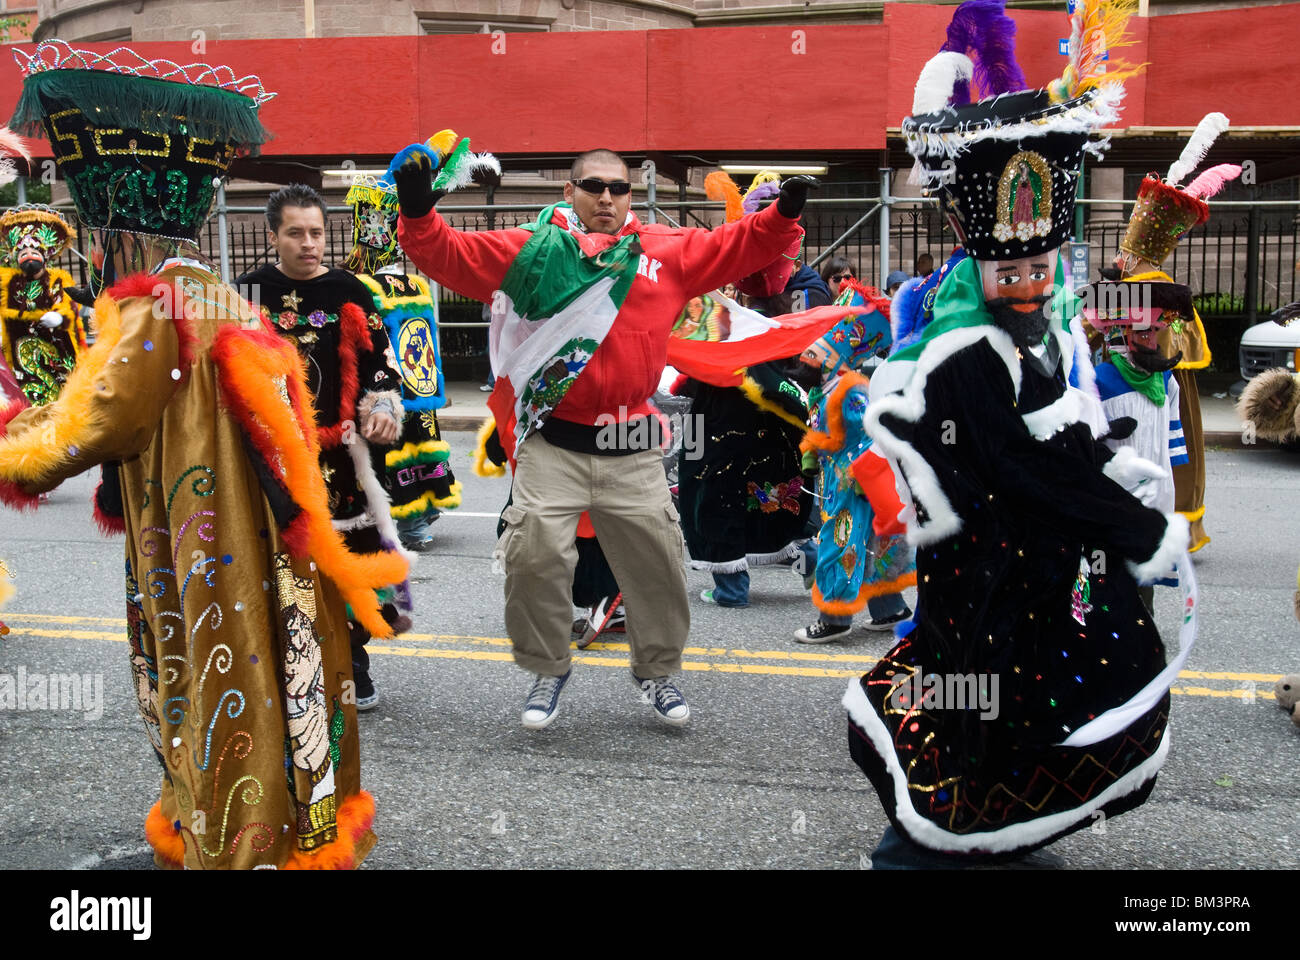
577, 417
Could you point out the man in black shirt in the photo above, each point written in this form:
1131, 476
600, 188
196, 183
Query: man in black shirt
327, 314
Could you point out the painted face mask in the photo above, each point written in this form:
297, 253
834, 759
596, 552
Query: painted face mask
1015, 292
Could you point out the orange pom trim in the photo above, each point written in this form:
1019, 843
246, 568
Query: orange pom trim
163, 836
249, 362
847, 608
355, 816
832, 438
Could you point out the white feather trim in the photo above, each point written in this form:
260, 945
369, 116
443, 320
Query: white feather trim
1203, 137
1018, 836
939, 75
1099, 111
730, 566
463, 175
1172, 546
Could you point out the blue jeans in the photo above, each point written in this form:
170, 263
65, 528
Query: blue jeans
879, 608
731, 589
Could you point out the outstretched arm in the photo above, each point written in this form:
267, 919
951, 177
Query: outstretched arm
108, 410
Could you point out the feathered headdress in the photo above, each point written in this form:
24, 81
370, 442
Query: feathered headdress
11, 146
1096, 28
1164, 211
719, 186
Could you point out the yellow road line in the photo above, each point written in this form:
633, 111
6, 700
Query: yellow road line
696, 666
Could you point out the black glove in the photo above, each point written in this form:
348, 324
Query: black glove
1121, 428
414, 181
793, 195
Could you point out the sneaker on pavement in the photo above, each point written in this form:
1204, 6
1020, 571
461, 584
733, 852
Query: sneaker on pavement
820, 632
707, 597
617, 622
543, 701
668, 702
367, 695
888, 623
578, 630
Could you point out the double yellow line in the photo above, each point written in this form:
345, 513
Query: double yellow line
779, 663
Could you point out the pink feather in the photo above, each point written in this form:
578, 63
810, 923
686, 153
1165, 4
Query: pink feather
1212, 180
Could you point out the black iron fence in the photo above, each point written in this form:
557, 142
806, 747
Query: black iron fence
1218, 260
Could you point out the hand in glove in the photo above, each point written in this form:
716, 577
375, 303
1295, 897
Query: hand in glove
794, 194
414, 181
51, 320
1135, 474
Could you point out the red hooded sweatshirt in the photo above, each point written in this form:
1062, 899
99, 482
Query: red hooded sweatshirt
676, 265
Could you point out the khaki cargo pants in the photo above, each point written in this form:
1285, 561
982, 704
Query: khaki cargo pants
636, 524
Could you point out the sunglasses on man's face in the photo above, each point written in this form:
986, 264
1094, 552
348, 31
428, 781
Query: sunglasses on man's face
616, 188
841, 277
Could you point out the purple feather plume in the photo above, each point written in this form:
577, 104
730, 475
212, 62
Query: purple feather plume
764, 191
982, 30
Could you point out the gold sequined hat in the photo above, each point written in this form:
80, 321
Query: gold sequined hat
1164, 211
143, 145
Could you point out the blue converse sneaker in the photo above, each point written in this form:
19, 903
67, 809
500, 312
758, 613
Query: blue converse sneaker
543, 701
670, 706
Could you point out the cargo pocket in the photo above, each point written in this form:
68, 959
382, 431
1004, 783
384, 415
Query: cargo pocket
511, 540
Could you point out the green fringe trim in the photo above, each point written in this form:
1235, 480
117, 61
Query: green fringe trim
374, 196
141, 103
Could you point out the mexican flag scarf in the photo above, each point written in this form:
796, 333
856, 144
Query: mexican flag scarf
556, 304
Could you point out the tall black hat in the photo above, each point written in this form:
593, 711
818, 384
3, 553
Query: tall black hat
1006, 168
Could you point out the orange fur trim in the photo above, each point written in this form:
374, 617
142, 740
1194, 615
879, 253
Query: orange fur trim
833, 437
355, 816
249, 361
163, 836
32, 456
847, 608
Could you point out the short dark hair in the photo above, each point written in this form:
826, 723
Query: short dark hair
836, 265
294, 195
924, 261
599, 153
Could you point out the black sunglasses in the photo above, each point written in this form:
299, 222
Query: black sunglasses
837, 277
616, 188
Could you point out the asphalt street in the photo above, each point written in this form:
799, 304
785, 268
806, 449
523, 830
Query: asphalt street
760, 778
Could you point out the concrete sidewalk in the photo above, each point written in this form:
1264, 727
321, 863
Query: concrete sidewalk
467, 408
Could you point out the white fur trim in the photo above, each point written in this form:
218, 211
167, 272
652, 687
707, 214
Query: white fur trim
1172, 546
360, 521
1007, 839
1048, 421
910, 405
378, 506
